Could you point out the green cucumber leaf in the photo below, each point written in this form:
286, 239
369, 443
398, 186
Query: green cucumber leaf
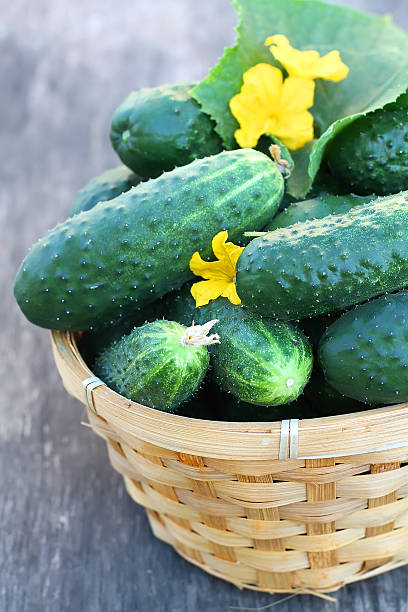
374, 49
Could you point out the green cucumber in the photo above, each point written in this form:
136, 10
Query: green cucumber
260, 361
155, 130
327, 264
156, 365
371, 154
364, 353
128, 252
317, 208
106, 186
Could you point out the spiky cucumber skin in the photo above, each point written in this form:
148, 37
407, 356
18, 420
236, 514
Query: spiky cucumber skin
364, 353
327, 264
152, 367
157, 129
371, 154
106, 186
127, 252
261, 361
317, 208
256, 356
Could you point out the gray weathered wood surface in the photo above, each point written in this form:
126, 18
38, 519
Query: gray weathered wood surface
71, 539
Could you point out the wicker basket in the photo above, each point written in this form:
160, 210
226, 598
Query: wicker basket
292, 506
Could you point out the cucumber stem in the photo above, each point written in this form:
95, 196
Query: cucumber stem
282, 164
254, 234
196, 335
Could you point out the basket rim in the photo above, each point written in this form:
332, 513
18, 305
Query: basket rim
369, 431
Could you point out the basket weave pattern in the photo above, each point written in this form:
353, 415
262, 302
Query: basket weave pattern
219, 494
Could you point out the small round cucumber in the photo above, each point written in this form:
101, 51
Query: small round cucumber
261, 361
317, 208
364, 353
371, 154
159, 365
155, 130
104, 187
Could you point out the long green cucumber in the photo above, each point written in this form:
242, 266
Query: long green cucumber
327, 264
128, 252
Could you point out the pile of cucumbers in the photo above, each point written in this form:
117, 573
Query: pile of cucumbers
322, 328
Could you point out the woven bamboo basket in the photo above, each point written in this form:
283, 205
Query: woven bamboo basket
294, 506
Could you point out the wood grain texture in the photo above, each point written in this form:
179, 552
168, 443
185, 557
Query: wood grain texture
71, 538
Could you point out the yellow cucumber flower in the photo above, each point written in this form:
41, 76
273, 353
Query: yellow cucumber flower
267, 104
220, 274
307, 64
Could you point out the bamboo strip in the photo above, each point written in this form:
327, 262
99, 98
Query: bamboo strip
267, 579
264, 529
381, 501
208, 491
324, 492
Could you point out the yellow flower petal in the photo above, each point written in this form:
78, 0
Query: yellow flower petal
266, 81
295, 131
208, 269
297, 94
260, 92
207, 290
227, 252
247, 139
220, 274
230, 292
307, 64
268, 105
332, 68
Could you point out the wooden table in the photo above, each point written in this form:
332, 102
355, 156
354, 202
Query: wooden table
71, 539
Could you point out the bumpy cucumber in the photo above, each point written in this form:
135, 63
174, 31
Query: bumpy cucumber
155, 130
130, 251
154, 365
260, 361
371, 154
327, 264
317, 208
104, 187
364, 353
